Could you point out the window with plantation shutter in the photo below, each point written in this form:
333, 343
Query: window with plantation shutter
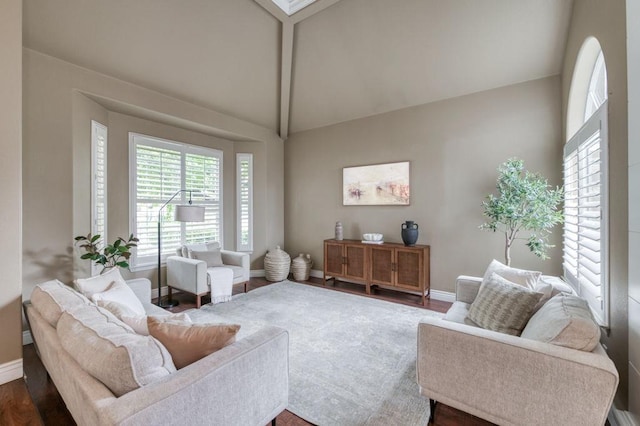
98, 185
585, 238
160, 168
244, 183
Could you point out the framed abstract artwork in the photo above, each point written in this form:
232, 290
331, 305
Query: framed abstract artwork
376, 185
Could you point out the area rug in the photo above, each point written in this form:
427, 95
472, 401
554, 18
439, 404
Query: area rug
352, 358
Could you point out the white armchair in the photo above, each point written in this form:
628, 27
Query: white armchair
191, 275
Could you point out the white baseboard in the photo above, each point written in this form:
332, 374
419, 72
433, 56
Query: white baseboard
26, 338
621, 418
257, 273
316, 273
11, 371
444, 296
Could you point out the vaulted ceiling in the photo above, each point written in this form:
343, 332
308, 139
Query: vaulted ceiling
344, 59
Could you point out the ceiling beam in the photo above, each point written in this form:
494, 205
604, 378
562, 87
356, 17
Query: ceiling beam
285, 78
312, 9
273, 9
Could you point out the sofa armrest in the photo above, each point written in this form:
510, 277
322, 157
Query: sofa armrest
142, 288
246, 383
511, 380
187, 274
467, 288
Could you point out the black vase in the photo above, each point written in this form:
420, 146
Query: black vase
409, 233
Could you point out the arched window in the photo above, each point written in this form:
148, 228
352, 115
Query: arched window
585, 238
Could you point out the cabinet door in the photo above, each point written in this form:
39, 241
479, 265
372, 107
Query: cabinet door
356, 266
382, 265
409, 269
333, 259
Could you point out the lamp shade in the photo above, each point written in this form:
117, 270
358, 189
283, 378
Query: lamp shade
189, 213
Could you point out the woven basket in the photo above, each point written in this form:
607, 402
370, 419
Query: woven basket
276, 265
301, 267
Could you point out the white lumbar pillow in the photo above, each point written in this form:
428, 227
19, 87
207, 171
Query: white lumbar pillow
99, 283
522, 277
121, 293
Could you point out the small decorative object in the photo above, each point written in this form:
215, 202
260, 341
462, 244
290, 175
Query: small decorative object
525, 202
372, 238
301, 267
339, 231
376, 185
112, 255
409, 233
276, 265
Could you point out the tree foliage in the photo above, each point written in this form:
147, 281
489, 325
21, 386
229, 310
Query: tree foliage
525, 203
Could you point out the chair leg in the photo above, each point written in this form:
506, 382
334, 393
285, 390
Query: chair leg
198, 301
168, 294
273, 422
245, 286
432, 414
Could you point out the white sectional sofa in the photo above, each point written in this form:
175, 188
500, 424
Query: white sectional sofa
244, 383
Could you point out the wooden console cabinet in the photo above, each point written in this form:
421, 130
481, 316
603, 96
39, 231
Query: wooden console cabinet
389, 264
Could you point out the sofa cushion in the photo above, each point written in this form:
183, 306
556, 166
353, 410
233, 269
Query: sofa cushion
188, 343
458, 312
139, 323
503, 306
111, 351
213, 257
518, 276
121, 293
99, 283
565, 320
52, 298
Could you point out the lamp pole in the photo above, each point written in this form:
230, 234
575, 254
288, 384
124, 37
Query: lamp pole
170, 303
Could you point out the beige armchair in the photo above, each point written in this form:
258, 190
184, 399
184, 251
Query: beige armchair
510, 380
192, 275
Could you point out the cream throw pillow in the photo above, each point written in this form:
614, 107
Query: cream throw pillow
188, 343
503, 306
521, 277
99, 283
121, 293
110, 351
565, 320
211, 257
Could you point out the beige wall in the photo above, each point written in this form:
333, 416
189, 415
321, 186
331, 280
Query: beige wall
60, 101
10, 182
454, 147
606, 21
633, 70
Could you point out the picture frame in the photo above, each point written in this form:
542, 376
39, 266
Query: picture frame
386, 184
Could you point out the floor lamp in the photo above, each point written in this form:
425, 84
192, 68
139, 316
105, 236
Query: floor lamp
183, 213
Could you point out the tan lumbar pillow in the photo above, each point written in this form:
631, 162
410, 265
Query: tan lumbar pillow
503, 306
565, 320
187, 343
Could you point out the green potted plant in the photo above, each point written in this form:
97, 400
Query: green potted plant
525, 203
112, 255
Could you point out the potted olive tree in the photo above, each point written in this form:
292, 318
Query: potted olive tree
525, 204
111, 256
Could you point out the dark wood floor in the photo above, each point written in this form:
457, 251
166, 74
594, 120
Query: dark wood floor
37, 401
